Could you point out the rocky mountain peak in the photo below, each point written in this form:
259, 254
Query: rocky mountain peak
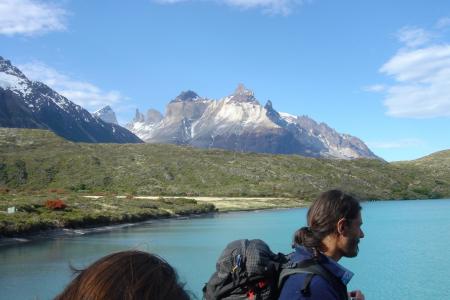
138, 117
153, 116
242, 94
273, 115
106, 114
8, 68
11, 78
268, 106
241, 90
105, 109
186, 96
238, 122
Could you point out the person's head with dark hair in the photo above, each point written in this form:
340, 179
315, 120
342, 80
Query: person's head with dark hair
333, 231
334, 225
126, 275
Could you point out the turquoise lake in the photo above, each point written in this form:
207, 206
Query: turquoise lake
404, 255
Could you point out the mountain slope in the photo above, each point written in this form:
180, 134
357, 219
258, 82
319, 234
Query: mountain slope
29, 104
436, 166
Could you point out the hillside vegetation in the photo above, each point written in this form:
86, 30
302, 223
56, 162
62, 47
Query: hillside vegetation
37, 160
38, 212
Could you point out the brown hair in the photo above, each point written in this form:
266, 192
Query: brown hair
323, 215
126, 275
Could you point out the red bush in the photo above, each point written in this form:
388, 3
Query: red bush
55, 204
4, 190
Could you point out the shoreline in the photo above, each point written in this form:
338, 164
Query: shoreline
6, 241
72, 232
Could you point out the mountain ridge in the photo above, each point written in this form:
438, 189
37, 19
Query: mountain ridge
239, 122
32, 104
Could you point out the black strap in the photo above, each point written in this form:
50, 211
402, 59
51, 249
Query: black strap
295, 268
305, 289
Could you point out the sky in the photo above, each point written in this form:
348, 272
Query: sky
378, 70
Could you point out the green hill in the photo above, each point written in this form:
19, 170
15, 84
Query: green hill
37, 160
429, 175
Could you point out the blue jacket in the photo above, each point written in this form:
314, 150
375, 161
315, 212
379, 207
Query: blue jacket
320, 288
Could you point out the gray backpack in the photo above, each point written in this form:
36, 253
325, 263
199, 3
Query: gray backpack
248, 269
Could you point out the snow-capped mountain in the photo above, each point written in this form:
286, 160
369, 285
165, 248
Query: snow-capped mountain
175, 127
240, 123
32, 104
106, 114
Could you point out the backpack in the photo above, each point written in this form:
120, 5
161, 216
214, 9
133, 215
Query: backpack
248, 269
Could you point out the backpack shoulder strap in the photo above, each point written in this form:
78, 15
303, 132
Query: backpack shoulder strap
311, 268
306, 267
305, 290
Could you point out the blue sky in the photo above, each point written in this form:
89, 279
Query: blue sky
379, 70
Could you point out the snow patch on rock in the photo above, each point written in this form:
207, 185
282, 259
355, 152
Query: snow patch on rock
16, 84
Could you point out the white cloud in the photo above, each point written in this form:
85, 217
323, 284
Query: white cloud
420, 71
30, 17
375, 88
421, 65
414, 36
82, 93
422, 88
402, 143
282, 7
443, 23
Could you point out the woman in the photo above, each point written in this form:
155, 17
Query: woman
126, 275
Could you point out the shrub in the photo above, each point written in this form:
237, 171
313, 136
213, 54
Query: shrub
55, 204
79, 187
4, 190
29, 208
57, 191
148, 205
183, 201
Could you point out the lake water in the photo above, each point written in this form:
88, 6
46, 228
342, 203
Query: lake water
404, 255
